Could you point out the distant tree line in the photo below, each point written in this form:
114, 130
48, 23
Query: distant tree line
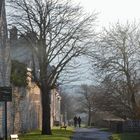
116, 67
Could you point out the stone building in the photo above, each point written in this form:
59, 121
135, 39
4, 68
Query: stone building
55, 108
28, 114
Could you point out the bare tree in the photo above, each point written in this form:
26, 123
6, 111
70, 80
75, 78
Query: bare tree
113, 97
57, 32
117, 59
87, 101
67, 105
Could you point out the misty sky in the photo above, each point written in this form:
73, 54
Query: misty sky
112, 11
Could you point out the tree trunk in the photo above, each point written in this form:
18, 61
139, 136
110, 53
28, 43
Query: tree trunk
46, 111
89, 118
135, 107
131, 91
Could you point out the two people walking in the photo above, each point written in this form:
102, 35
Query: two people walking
77, 121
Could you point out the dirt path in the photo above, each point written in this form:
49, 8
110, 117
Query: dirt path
90, 134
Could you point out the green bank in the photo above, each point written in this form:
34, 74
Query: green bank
126, 136
57, 134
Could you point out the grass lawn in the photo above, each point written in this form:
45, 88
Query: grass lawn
57, 134
104, 129
126, 136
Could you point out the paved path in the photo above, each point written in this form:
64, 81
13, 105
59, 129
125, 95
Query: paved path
90, 134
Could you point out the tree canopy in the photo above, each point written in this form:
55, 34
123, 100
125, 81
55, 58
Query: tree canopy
57, 32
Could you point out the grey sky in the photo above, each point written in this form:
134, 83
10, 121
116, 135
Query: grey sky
112, 11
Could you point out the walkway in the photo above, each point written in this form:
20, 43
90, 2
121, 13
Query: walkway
90, 134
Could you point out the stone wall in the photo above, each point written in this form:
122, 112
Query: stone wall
24, 112
55, 107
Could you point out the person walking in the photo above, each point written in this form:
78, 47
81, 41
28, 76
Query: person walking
79, 121
75, 121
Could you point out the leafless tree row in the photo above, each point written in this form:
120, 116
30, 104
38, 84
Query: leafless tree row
117, 63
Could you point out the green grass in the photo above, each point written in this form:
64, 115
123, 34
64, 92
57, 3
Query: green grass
57, 134
126, 136
104, 129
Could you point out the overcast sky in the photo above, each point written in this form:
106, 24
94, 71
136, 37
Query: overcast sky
111, 11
